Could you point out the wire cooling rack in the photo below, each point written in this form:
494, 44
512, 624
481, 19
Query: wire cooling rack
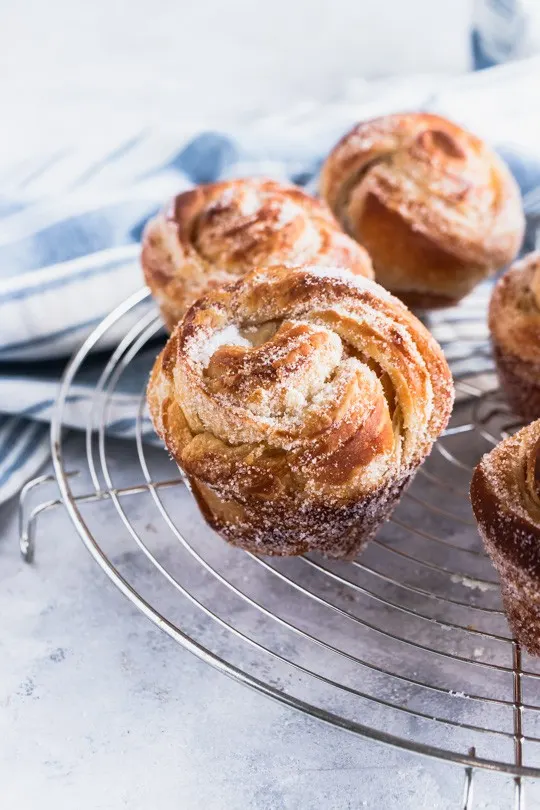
407, 645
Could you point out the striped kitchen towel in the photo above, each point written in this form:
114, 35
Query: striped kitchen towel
71, 219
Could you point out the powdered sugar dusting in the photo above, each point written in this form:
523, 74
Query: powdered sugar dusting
202, 351
287, 212
343, 274
506, 505
298, 441
438, 178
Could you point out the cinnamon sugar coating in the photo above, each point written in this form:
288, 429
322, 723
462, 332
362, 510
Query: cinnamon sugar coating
299, 403
215, 233
505, 496
435, 207
514, 323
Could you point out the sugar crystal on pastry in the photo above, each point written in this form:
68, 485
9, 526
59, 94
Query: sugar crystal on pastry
211, 235
228, 336
299, 404
514, 323
506, 503
435, 207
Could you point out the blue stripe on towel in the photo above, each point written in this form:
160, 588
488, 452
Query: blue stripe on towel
69, 240
34, 432
73, 237
9, 435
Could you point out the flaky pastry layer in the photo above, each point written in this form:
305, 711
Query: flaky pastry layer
215, 233
514, 323
299, 404
505, 496
435, 207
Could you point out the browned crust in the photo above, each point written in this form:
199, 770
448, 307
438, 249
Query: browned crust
370, 392
522, 607
492, 509
514, 314
294, 527
506, 505
436, 208
514, 324
410, 263
211, 235
520, 382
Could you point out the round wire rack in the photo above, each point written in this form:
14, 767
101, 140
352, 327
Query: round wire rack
407, 645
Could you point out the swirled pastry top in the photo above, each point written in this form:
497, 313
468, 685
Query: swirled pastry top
312, 381
514, 310
505, 494
441, 180
214, 233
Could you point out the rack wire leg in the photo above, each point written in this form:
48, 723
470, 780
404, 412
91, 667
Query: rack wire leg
27, 517
519, 793
468, 786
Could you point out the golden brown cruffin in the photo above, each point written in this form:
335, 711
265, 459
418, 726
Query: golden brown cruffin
435, 207
215, 233
299, 404
505, 495
514, 323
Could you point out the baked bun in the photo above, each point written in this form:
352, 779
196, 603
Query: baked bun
299, 404
215, 233
505, 495
514, 323
435, 207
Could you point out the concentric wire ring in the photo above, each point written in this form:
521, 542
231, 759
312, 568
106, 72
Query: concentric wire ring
407, 645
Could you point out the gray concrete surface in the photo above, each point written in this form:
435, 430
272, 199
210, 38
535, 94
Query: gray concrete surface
98, 710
